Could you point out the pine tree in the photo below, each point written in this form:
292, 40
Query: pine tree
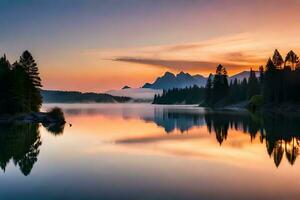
270, 82
34, 87
261, 74
291, 58
208, 89
20, 80
277, 59
253, 87
5, 85
220, 84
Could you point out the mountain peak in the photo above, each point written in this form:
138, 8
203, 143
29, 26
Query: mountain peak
180, 80
168, 74
126, 87
183, 75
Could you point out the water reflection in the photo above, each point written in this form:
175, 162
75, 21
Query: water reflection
280, 134
171, 119
55, 128
21, 143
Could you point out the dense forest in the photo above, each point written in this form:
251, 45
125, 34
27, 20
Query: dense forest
219, 92
278, 82
20, 85
189, 95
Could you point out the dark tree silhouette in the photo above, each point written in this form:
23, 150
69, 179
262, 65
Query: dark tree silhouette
253, 85
208, 88
20, 85
34, 86
220, 85
189, 95
277, 59
291, 58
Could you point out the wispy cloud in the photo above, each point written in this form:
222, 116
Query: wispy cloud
236, 52
192, 66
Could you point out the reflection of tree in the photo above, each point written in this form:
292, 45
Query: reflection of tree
172, 118
21, 144
278, 132
278, 152
55, 128
292, 150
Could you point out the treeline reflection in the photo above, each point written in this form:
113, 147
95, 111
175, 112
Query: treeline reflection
280, 134
21, 143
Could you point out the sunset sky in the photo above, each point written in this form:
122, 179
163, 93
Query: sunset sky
91, 45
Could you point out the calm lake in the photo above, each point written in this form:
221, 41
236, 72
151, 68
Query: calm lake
142, 151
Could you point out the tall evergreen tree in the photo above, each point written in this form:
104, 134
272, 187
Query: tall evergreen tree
220, 84
34, 87
253, 86
20, 80
208, 89
291, 58
5, 85
270, 84
277, 59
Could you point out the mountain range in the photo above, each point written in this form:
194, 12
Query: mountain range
183, 80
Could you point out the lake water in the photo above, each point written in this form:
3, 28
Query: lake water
141, 151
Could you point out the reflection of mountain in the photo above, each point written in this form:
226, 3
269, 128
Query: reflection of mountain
172, 119
21, 144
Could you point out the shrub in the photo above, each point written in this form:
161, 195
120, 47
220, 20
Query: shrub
56, 114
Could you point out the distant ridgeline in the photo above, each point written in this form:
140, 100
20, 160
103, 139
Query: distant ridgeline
51, 96
19, 85
278, 82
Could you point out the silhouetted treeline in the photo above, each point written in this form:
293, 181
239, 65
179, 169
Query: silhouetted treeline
282, 79
19, 85
190, 95
279, 82
51, 96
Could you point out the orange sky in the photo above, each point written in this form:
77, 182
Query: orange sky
100, 45
104, 69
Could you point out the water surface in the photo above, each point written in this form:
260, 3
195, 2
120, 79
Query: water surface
142, 151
